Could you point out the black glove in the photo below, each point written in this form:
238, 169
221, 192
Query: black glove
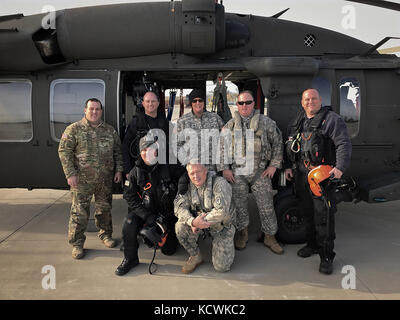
172, 189
151, 220
168, 219
142, 213
183, 184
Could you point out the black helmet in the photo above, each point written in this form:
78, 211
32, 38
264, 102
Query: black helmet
154, 235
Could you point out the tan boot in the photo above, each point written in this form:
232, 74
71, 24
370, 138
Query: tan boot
270, 242
77, 252
109, 242
242, 237
192, 263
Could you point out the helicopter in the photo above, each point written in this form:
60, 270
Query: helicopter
50, 65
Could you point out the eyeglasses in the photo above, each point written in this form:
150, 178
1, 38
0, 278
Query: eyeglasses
248, 102
197, 100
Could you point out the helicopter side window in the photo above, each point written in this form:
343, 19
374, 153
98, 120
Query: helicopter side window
324, 88
16, 111
350, 103
67, 98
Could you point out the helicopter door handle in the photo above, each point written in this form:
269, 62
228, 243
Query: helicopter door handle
36, 143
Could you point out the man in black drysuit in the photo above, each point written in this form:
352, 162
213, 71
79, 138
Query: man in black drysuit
317, 137
149, 192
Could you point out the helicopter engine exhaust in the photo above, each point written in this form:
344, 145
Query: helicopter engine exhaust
140, 29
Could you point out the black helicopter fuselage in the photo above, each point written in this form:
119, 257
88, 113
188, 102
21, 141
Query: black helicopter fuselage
115, 51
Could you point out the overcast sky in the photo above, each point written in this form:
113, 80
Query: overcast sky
367, 23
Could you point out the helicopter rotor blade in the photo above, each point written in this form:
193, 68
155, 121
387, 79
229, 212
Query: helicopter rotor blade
389, 50
11, 17
379, 3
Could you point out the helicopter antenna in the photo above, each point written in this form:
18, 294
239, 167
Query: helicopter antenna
277, 15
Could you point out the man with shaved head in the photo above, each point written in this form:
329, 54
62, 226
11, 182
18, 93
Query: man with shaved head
141, 123
317, 136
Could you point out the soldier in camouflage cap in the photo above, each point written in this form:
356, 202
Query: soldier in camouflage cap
90, 154
206, 207
262, 152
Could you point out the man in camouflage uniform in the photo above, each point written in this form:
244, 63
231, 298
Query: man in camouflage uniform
90, 154
255, 160
206, 206
192, 125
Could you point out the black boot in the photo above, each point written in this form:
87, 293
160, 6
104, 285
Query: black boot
326, 266
125, 266
307, 251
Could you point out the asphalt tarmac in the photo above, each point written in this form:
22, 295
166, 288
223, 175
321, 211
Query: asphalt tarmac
36, 262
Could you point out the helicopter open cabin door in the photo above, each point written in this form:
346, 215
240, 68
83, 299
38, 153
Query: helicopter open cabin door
34, 113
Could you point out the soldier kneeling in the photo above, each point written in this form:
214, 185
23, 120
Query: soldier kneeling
206, 207
149, 192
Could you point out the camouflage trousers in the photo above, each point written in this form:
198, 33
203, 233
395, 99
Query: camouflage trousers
263, 193
223, 250
80, 211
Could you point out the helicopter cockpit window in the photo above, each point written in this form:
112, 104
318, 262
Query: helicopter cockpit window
67, 98
350, 104
16, 111
324, 88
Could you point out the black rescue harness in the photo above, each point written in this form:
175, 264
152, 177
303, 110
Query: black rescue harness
142, 128
307, 144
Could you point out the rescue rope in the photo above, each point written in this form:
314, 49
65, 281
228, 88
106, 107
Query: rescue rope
152, 261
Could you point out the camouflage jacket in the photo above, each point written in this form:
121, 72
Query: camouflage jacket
190, 123
90, 152
266, 149
213, 198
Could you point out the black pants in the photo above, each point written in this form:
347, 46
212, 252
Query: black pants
130, 230
319, 216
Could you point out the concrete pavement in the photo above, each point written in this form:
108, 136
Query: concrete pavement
33, 234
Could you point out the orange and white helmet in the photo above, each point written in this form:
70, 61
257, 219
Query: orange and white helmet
316, 176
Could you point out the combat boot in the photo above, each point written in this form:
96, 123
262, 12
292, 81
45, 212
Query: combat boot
326, 266
242, 237
307, 251
109, 242
77, 252
125, 266
270, 242
192, 263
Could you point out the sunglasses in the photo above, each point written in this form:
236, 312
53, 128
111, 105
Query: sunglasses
248, 102
197, 100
